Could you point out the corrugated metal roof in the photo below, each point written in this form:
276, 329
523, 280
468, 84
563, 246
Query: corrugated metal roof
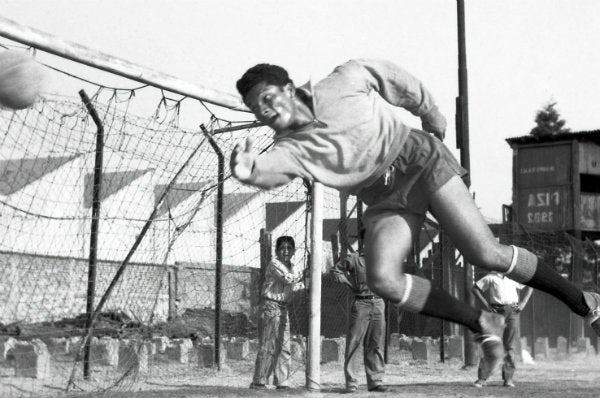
592, 135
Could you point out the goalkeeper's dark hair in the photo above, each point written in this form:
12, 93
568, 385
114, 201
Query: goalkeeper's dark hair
262, 73
283, 239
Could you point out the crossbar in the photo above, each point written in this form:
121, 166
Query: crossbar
87, 56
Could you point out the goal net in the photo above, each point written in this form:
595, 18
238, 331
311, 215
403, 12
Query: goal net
165, 288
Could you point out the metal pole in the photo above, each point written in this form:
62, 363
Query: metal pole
84, 55
462, 128
91, 290
462, 135
313, 369
219, 244
238, 127
577, 322
132, 250
442, 286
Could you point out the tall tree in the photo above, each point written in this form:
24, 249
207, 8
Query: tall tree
548, 122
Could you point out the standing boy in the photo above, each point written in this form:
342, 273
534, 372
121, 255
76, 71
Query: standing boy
282, 278
504, 300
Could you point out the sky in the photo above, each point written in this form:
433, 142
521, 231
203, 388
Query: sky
520, 54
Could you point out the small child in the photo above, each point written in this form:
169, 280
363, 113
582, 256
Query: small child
282, 278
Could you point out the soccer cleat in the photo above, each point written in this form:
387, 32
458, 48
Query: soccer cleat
592, 300
509, 383
351, 389
492, 327
479, 383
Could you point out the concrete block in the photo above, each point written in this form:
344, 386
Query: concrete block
394, 340
134, 357
179, 350
298, 348
105, 351
6, 343
206, 354
59, 345
405, 343
584, 345
32, 359
456, 347
238, 349
561, 346
152, 350
422, 349
74, 344
253, 346
332, 350
542, 348
161, 343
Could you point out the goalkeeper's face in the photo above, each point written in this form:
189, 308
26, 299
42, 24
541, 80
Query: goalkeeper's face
274, 105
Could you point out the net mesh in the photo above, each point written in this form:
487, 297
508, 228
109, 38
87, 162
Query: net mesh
156, 243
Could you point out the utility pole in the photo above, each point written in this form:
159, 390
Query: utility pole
462, 143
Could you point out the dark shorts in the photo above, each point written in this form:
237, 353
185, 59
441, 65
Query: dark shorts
421, 168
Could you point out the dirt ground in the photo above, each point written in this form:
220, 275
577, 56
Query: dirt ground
575, 376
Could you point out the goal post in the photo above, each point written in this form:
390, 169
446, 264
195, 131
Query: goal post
313, 368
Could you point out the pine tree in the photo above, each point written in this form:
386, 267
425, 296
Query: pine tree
548, 122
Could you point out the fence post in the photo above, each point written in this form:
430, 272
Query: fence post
172, 276
218, 244
97, 191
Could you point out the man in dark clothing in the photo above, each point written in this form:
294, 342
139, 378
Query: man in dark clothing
366, 329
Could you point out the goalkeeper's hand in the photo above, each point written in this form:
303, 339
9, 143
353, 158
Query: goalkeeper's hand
242, 160
434, 122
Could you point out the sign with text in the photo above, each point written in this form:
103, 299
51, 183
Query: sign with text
543, 166
589, 158
545, 207
590, 211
